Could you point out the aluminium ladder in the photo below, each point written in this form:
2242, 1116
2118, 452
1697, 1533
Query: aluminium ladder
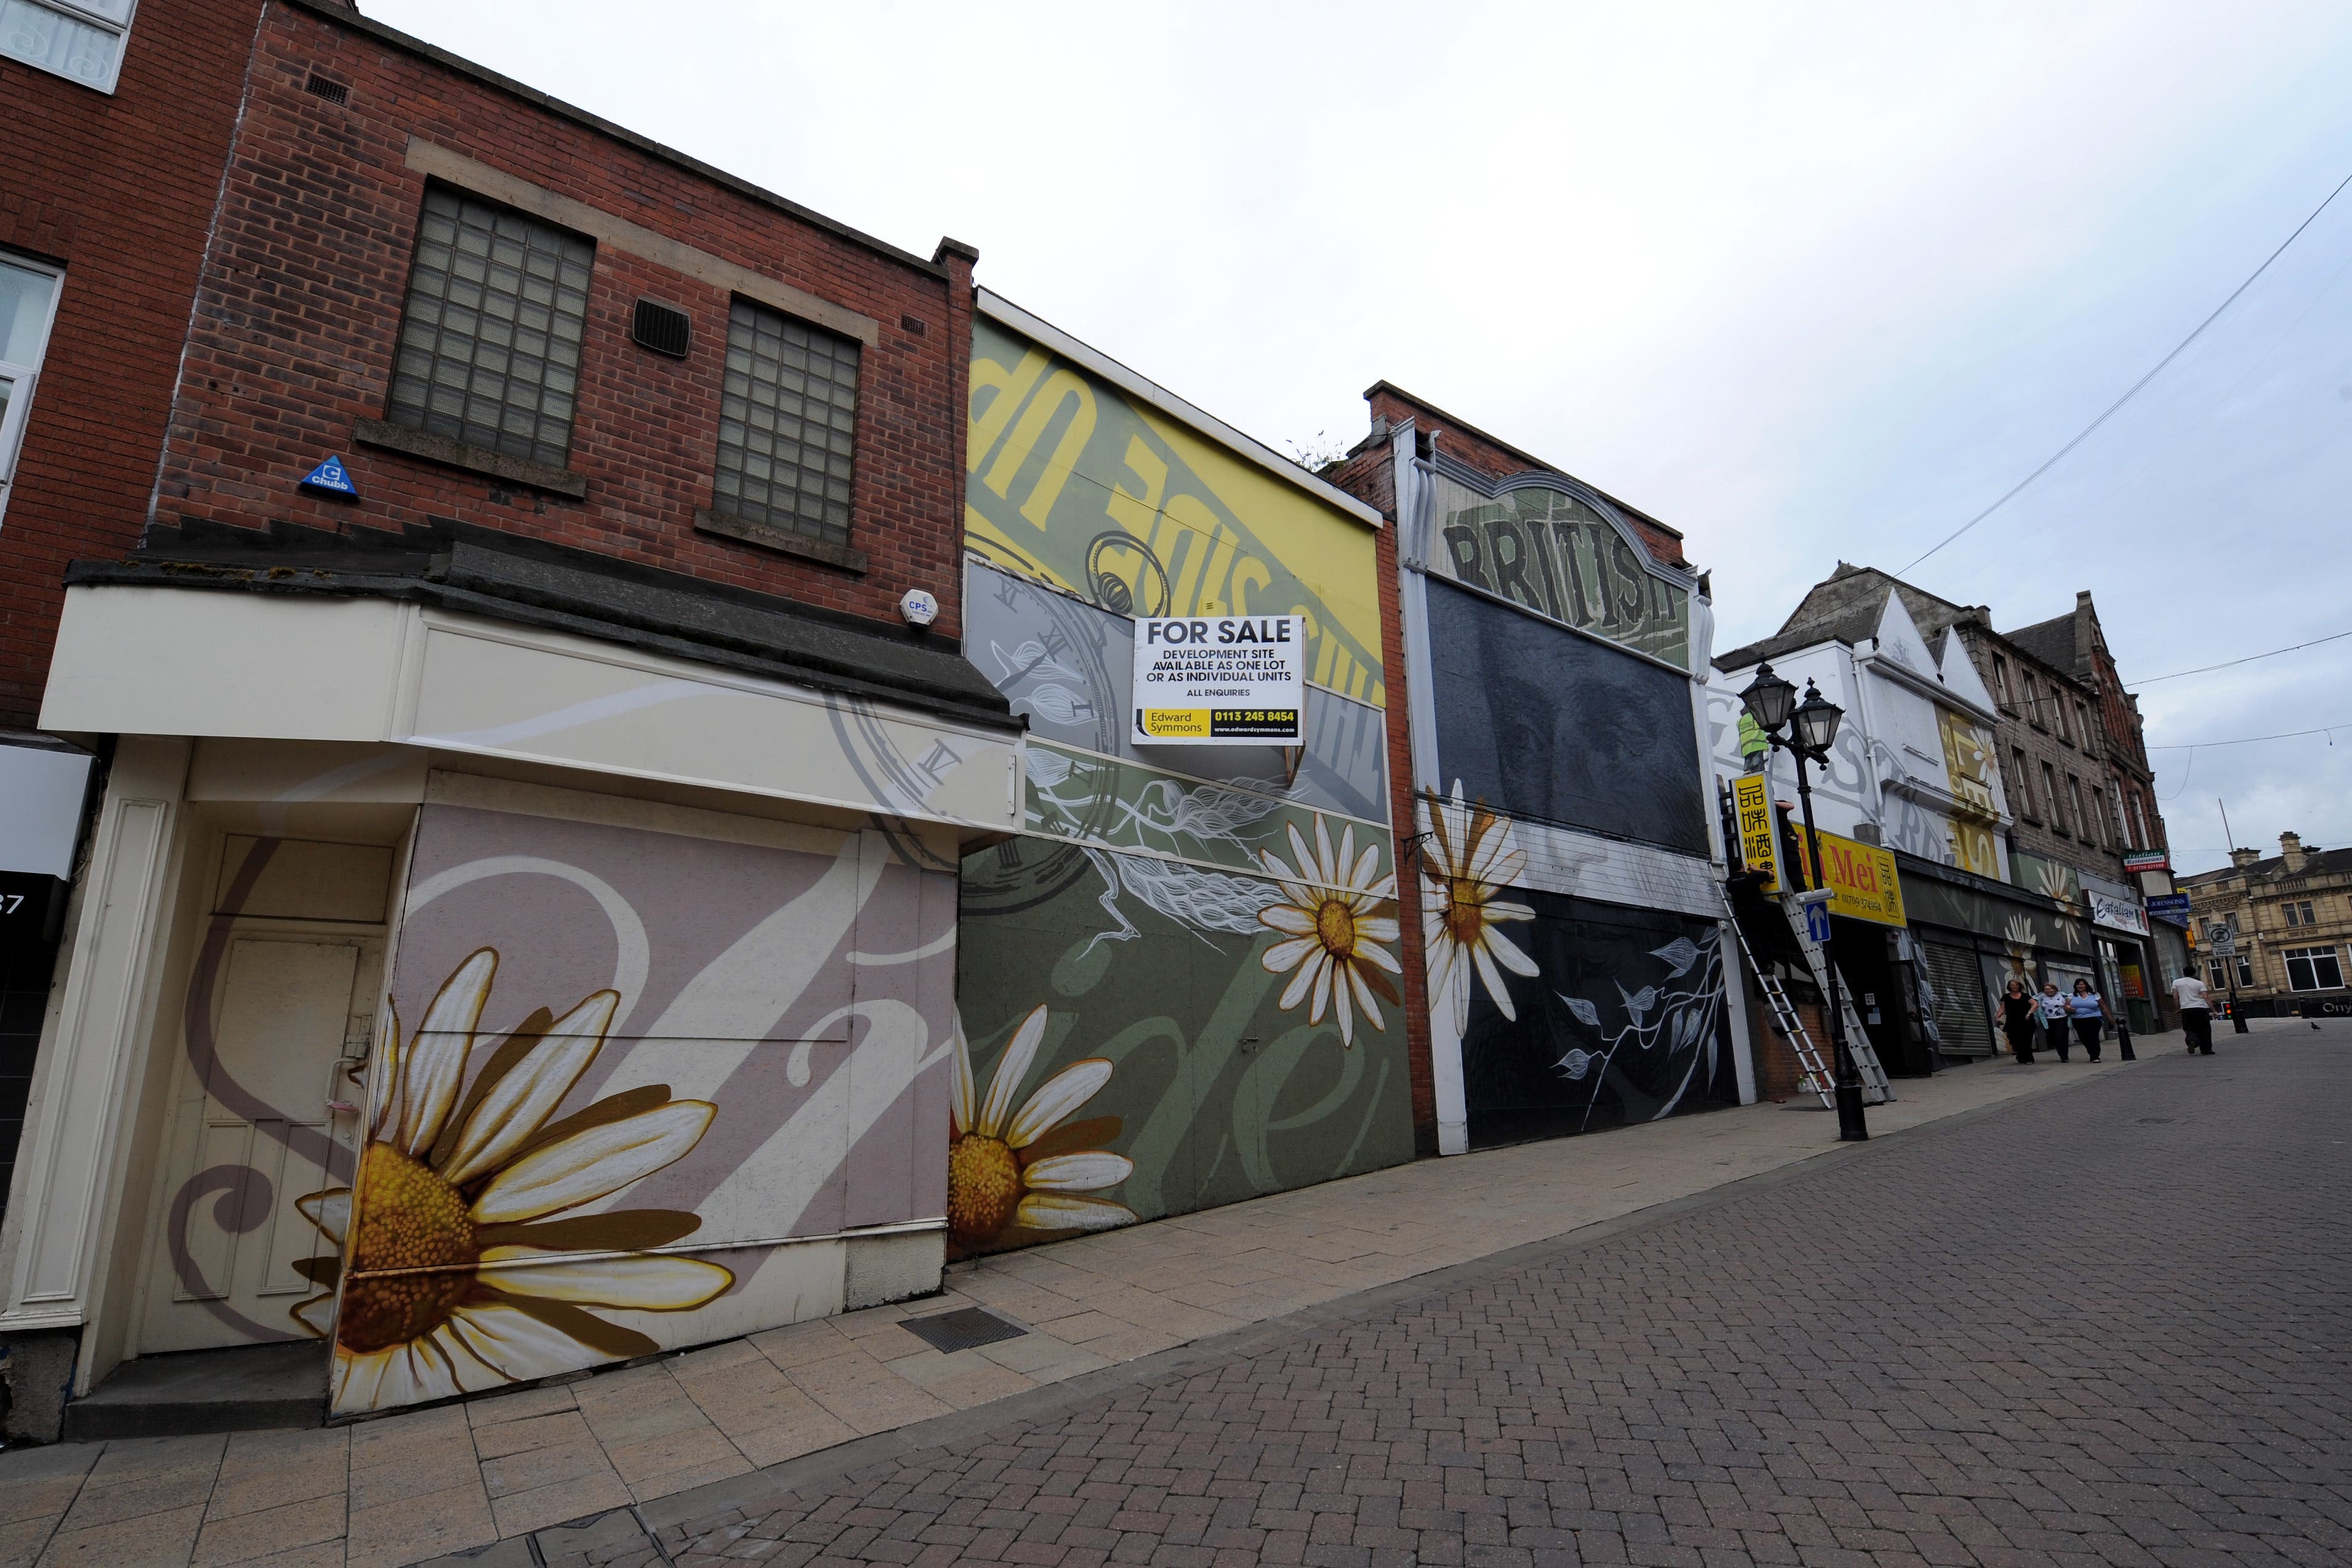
1789, 1026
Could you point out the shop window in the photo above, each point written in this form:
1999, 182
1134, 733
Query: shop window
28, 300
489, 348
2314, 969
82, 40
2220, 968
787, 424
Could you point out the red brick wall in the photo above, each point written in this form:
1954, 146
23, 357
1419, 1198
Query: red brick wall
119, 190
1469, 446
302, 302
1369, 477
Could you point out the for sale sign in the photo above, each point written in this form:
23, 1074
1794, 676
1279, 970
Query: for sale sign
1220, 680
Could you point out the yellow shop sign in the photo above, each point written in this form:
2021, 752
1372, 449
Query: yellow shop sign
1861, 879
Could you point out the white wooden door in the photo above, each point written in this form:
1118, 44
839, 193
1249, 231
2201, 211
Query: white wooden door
252, 1136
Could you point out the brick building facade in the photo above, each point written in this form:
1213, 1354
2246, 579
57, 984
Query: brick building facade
1545, 751
547, 627
109, 194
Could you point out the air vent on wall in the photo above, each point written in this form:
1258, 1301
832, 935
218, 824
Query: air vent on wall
332, 91
663, 329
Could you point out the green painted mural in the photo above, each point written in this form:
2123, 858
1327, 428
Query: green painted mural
1182, 986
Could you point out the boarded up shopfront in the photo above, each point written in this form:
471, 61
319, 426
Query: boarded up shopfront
1569, 915
1180, 984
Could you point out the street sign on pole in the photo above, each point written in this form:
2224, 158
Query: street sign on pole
2222, 937
1817, 913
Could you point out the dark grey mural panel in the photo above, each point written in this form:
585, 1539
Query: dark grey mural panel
1539, 722
1624, 1023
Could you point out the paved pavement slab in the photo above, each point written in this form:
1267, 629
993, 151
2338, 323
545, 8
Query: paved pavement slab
2100, 1328
586, 1468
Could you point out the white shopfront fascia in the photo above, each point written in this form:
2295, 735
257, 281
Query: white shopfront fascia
168, 661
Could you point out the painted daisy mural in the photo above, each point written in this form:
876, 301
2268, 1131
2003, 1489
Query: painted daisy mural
1468, 862
1334, 918
464, 1262
1031, 1169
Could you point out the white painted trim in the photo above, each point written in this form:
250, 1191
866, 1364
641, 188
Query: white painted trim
100, 1047
1005, 313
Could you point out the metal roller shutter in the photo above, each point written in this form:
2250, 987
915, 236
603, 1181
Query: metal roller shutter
1957, 1010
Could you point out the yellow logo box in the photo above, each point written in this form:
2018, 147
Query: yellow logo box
1176, 723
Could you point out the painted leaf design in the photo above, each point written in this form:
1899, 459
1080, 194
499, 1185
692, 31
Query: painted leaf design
1639, 1002
1679, 954
1577, 1064
1586, 1013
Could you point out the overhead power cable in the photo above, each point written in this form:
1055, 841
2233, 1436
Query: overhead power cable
2177, 349
2232, 663
2249, 739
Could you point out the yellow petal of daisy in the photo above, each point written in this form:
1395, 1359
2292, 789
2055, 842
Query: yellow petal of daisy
1367, 1001
1011, 1069
646, 1282
1288, 917
1508, 956
436, 1055
517, 1344
961, 1098
518, 1104
388, 1073
1055, 1099
1061, 1211
447, 1353
358, 1375
1085, 1172
1495, 986
1282, 956
330, 1210
592, 1163
1295, 992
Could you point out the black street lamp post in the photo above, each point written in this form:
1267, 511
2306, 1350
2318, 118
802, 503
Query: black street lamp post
1813, 724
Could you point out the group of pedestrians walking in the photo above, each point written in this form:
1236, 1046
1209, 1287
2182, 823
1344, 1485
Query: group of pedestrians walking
2055, 1021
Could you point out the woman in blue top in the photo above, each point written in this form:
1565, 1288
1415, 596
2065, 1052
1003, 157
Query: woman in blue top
2089, 1010
2052, 1008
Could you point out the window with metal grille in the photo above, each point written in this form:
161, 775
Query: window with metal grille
2314, 969
787, 419
489, 350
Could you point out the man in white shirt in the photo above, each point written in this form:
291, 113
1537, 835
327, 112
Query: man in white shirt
2196, 1013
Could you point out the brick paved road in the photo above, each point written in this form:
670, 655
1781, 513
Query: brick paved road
1902, 1357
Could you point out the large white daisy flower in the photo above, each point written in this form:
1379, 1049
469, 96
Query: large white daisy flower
1335, 918
1025, 1170
443, 1286
1467, 861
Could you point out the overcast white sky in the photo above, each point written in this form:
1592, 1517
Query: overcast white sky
1808, 287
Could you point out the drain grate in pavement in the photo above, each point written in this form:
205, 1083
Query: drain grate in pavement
963, 1329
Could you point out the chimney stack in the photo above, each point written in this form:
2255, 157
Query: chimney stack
2242, 859
2290, 850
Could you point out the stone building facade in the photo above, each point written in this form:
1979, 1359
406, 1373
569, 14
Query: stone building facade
2292, 912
